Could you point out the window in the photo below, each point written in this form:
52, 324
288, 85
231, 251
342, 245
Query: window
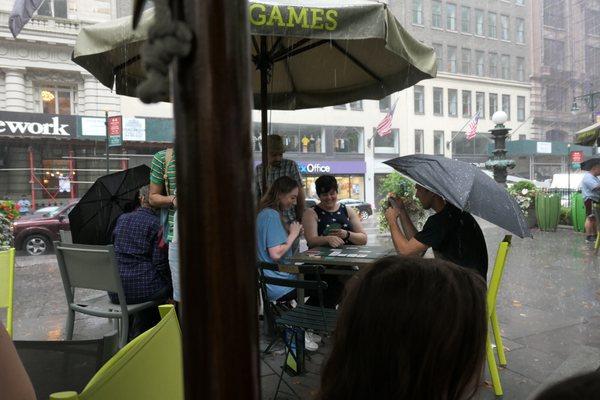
438, 101
436, 14
505, 63
554, 53
520, 30
356, 105
480, 64
522, 137
592, 27
493, 103
417, 12
419, 99
57, 100
479, 29
554, 13
465, 19
504, 35
451, 16
419, 141
452, 102
592, 61
506, 104
555, 98
493, 65
520, 108
53, 8
480, 104
439, 55
466, 104
520, 69
296, 138
385, 104
346, 139
451, 67
386, 144
438, 143
466, 61
492, 25
520, 2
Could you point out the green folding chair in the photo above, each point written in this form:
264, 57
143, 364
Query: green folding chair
147, 368
7, 280
492, 295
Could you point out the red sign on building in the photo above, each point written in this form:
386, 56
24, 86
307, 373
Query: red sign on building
576, 157
115, 130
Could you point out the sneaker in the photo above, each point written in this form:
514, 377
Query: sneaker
313, 337
590, 239
309, 345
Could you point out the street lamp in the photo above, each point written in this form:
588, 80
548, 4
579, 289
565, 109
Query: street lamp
590, 99
498, 163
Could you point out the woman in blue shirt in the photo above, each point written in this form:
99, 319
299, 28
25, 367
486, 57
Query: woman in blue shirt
273, 239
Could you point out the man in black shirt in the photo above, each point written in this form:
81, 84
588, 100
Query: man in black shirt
453, 234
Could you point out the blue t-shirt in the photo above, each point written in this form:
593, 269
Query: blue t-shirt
270, 233
588, 184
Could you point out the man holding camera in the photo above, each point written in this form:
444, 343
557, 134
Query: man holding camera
453, 234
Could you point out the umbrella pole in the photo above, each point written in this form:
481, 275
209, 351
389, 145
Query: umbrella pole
107, 154
263, 65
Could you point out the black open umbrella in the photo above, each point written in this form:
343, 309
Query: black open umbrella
465, 186
93, 218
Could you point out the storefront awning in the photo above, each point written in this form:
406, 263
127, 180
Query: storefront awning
587, 136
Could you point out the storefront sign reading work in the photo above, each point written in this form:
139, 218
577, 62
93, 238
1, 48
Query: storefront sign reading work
28, 124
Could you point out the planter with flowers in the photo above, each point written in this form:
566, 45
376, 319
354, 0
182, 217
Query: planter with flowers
8, 214
524, 193
396, 185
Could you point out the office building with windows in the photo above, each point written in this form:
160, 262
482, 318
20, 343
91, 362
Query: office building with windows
565, 58
482, 52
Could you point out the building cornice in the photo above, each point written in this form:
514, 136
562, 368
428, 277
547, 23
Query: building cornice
483, 79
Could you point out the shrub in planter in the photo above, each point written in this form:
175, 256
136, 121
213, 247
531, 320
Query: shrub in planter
524, 193
399, 186
565, 216
8, 214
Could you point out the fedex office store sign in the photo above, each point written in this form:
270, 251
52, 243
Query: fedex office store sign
43, 125
314, 168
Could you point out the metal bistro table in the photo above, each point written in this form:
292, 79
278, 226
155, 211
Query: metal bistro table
344, 260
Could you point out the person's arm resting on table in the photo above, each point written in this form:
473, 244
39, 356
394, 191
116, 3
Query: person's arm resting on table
309, 222
403, 245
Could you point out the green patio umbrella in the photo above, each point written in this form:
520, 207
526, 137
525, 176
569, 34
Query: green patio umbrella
310, 53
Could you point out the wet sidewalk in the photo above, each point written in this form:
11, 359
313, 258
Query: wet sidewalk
548, 306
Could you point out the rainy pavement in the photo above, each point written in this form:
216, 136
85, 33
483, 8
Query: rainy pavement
548, 306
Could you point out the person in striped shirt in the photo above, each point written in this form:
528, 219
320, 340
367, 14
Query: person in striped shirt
163, 189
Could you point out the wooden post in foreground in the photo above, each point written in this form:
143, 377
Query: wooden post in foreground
212, 103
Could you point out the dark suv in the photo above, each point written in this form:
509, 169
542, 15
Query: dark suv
35, 233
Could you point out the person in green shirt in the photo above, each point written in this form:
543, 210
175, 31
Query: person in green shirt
163, 189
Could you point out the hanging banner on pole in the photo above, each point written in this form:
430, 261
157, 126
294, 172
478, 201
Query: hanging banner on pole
115, 131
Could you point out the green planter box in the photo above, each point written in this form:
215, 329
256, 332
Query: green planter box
578, 212
547, 211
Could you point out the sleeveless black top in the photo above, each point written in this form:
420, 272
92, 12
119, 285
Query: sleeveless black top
326, 218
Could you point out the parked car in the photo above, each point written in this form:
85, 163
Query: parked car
35, 233
364, 209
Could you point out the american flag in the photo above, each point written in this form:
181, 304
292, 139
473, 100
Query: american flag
472, 127
385, 126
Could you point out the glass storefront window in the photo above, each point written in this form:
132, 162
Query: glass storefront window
346, 139
349, 187
54, 172
296, 138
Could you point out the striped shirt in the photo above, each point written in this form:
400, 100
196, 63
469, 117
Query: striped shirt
157, 177
287, 168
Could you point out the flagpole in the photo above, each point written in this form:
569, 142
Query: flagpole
458, 133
